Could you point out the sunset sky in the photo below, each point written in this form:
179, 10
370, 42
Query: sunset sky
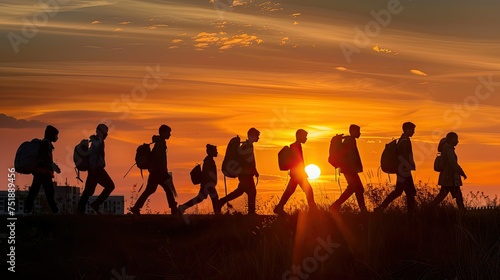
211, 72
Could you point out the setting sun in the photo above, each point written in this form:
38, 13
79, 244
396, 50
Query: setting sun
313, 171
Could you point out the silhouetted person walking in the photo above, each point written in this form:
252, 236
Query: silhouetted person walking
298, 175
404, 179
351, 166
97, 174
208, 182
450, 178
158, 173
44, 172
248, 170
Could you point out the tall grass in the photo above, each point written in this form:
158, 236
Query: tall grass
438, 243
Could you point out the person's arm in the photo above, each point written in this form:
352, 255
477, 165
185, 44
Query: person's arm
209, 171
404, 149
95, 147
255, 172
44, 157
254, 164
452, 161
44, 153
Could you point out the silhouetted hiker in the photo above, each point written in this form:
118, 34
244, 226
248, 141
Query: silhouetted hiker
96, 174
298, 175
404, 179
450, 178
158, 172
44, 172
208, 182
351, 166
245, 177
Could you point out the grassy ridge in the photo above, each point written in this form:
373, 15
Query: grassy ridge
442, 244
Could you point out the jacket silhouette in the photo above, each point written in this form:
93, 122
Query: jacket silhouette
352, 160
452, 172
248, 171
158, 173
298, 175
158, 159
404, 178
208, 182
97, 173
351, 166
450, 179
96, 152
44, 172
297, 168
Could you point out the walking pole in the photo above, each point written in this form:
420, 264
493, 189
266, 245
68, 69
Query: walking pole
225, 189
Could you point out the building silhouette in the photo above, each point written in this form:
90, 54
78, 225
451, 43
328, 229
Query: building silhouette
66, 197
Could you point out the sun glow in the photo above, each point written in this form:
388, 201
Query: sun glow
313, 171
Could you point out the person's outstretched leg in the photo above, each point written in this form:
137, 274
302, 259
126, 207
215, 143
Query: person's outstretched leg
342, 198
88, 191
32, 193
107, 183
289, 190
459, 198
360, 197
248, 185
306, 187
193, 201
214, 196
443, 192
391, 197
50, 193
151, 187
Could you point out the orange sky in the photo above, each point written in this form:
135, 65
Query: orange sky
278, 66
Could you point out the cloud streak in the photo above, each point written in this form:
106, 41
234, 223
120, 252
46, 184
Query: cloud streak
11, 122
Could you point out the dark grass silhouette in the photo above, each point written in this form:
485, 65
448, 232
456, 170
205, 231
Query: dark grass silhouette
430, 244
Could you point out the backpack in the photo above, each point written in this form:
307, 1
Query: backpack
231, 165
335, 151
285, 158
81, 155
196, 174
27, 156
142, 156
439, 163
389, 159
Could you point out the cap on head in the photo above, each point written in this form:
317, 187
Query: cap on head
51, 133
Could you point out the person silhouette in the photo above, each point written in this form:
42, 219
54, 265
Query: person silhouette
404, 179
351, 166
208, 182
450, 178
298, 175
248, 171
158, 172
44, 172
97, 173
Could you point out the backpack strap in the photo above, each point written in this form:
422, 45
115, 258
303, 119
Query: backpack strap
78, 175
225, 188
131, 169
